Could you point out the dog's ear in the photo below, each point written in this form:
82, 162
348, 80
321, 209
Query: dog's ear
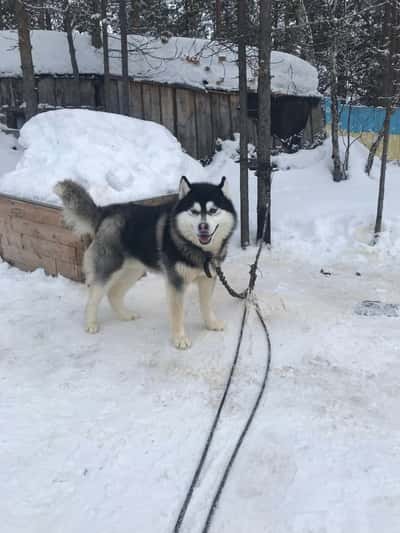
184, 187
224, 186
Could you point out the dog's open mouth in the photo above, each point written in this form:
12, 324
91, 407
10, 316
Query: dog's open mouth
205, 236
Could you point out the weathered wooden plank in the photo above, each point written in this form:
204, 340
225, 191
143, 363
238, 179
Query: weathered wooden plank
186, 121
235, 112
204, 134
66, 95
8, 234
87, 93
44, 248
135, 100
168, 108
114, 97
69, 270
27, 260
252, 130
31, 211
221, 115
48, 232
151, 102
47, 91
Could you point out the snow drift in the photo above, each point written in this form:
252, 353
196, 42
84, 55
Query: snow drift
116, 158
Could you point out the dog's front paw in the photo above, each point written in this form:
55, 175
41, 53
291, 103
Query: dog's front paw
182, 342
92, 327
215, 325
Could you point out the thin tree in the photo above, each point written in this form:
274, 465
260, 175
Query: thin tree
94, 23
106, 57
67, 19
218, 17
25, 51
264, 122
390, 18
338, 174
244, 174
124, 57
134, 16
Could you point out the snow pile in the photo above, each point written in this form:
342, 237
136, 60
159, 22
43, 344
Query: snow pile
116, 158
120, 159
316, 219
182, 61
9, 152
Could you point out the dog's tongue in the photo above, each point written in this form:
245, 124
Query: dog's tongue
204, 237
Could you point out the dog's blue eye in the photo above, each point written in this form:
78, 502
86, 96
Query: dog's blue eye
213, 211
194, 212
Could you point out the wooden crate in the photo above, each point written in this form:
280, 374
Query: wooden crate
33, 235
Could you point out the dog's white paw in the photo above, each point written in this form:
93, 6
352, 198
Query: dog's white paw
215, 325
129, 315
93, 327
182, 342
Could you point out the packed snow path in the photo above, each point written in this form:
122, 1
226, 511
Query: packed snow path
101, 433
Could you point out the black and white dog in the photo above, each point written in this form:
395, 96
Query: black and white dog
179, 238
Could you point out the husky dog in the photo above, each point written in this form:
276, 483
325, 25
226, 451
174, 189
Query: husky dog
180, 238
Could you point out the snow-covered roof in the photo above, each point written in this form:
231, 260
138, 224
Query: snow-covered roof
177, 61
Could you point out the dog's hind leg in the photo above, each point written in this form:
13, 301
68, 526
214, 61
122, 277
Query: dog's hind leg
96, 293
124, 280
206, 289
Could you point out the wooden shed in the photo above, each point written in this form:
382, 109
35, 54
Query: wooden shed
188, 85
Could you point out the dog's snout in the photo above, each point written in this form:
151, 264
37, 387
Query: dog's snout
203, 226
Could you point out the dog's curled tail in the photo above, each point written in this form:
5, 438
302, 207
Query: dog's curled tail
80, 212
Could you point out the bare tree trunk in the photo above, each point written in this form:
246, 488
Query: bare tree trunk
49, 25
106, 58
71, 48
25, 50
244, 173
264, 123
218, 12
134, 16
95, 30
41, 16
337, 165
389, 32
124, 57
372, 152
381, 195
304, 21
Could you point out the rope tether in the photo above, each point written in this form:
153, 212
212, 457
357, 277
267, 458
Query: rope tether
246, 296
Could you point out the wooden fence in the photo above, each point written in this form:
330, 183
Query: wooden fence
196, 117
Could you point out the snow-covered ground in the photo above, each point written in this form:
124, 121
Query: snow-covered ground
102, 433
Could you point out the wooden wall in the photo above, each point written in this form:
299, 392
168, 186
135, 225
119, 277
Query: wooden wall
196, 117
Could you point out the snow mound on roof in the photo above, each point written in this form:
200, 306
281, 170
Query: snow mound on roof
184, 61
116, 158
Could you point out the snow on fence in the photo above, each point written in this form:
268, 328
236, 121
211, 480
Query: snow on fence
33, 235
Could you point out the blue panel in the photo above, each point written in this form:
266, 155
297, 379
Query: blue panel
362, 118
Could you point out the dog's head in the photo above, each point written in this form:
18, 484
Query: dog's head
205, 214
